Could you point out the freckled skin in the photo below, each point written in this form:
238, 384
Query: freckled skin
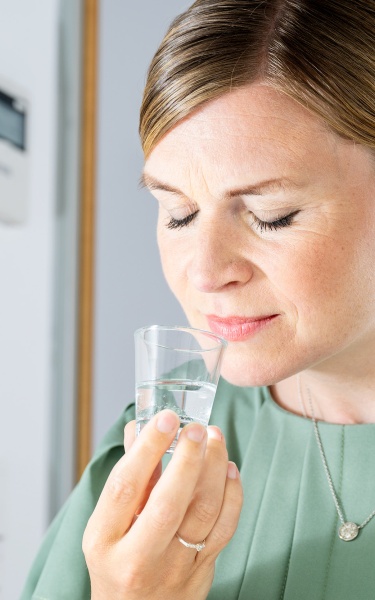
317, 274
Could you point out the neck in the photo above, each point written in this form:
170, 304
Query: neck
347, 399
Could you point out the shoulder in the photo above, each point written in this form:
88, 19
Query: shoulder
59, 569
115, 435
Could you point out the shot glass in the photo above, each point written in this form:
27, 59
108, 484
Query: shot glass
176, 368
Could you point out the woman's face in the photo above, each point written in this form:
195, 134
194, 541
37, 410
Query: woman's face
267, 234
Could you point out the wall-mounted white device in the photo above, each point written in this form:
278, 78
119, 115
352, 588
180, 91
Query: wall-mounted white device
14, 152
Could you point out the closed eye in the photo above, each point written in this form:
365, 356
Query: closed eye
179, 223
274, 225
261, 225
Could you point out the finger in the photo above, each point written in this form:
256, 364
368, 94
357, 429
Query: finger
150, 486
208, 495
227, 521
129, 439
171, 496
128, 480
129, 435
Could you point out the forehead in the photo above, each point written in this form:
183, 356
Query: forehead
257, 105
253, 125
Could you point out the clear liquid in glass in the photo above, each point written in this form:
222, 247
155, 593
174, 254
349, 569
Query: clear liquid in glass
191, 400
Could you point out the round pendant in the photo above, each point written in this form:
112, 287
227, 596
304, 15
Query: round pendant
348, 531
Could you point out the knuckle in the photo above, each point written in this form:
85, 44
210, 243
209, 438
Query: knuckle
131, 579
191, 460
122, 489
206, 509
91, 545
222, 534
163, 515
219, 452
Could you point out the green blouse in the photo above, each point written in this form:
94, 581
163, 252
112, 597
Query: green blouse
286, 545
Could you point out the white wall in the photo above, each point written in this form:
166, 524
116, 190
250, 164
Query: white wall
28, 56
130, 290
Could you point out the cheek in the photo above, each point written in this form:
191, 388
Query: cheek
308, 272
328, 282
172, 260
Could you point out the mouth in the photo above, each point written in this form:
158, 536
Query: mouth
238, 329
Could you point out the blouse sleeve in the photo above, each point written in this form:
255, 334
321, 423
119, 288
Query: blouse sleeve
59, 570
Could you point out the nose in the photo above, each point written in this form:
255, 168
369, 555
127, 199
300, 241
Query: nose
218, 259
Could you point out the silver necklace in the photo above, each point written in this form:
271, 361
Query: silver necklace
348, 530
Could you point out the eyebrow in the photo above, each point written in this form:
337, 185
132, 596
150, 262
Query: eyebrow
153, 184
259, 188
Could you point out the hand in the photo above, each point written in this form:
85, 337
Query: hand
130, 545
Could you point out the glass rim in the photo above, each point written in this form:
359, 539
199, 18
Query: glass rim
222, 342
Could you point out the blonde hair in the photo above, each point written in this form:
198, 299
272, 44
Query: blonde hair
319, 52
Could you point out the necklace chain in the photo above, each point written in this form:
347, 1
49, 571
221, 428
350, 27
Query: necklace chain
348, 531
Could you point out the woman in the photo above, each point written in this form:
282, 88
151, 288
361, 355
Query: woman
258, 130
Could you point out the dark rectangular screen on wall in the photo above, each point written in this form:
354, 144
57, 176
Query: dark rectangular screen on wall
12, 121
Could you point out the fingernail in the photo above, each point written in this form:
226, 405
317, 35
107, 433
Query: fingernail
214, 433
195, 432
232, 471
166, 421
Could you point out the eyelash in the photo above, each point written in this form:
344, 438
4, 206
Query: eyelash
261, 225
180, 223
274, 225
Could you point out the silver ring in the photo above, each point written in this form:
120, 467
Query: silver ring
198, 547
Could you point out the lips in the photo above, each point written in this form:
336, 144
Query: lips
237, 329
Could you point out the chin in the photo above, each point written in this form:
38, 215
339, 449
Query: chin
245, 371
244, 377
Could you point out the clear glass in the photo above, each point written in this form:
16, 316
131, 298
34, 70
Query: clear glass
176, 368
